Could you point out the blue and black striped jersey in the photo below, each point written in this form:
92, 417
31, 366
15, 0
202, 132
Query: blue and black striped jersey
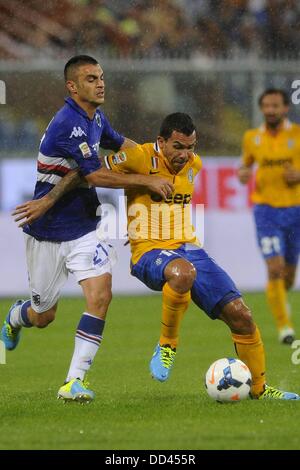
71, 140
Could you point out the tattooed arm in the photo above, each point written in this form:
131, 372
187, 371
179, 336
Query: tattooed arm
29, 211
32, 210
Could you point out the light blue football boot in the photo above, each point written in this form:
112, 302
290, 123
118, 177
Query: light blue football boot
162, 362
272, 393
9, 335
76, 390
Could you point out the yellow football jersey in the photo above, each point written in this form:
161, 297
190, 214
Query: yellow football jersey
271, 153
153, 222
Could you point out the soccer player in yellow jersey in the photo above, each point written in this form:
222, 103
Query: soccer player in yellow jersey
166, 255
275, 148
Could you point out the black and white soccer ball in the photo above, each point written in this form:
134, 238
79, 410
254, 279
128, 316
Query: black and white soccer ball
228, 380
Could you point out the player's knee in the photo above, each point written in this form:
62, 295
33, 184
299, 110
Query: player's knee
245, 324
276, 271
181, 275
238, 317
186, 277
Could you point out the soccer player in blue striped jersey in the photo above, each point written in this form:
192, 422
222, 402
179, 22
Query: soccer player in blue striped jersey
64, 239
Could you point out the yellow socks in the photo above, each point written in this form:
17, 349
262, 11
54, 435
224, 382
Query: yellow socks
276, 295
250, 350
173, 308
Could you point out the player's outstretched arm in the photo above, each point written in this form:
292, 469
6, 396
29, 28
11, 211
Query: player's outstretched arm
109, 179
30, 211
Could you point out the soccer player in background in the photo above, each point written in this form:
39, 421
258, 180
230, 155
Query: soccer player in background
275, 148
167, 257
64, 240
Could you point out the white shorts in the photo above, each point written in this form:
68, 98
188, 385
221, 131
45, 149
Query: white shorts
49, 264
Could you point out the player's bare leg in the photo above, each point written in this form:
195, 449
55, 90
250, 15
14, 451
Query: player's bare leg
279, 277
180, 275
97, 292
289, 275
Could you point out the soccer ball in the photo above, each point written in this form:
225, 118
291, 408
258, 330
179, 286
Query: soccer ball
228, 380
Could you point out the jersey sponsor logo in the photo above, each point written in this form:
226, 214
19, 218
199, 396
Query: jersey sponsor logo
158, 261
177, 198
270, 162
119, 158
85, 150
77, 132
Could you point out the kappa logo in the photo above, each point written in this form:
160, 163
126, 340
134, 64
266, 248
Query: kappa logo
77, 132
85, 150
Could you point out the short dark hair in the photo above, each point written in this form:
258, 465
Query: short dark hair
179, 122
77, 61
275, 91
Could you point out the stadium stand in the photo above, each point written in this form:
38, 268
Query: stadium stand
178, 28
191, 33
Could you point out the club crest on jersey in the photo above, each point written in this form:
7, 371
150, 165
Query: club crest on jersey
190, 175
85, 150
291, 143
98, 120
77, 132
119, 158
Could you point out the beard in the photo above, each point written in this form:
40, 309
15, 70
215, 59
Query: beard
274, 123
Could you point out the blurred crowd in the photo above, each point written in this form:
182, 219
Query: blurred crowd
150, 28
221, 104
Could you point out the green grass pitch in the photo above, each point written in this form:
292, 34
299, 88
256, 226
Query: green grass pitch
132, 411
